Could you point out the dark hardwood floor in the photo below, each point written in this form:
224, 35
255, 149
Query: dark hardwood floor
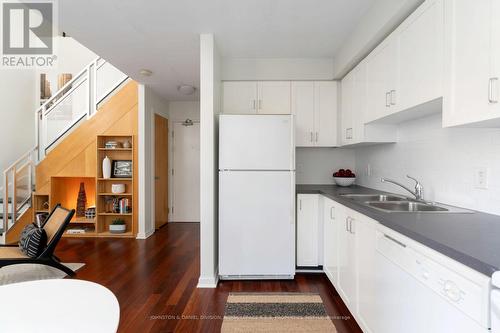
155, 282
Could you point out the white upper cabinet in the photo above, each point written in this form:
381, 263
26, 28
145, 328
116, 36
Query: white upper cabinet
381, 79
354, 110
273, 97
472, 42
250, 97
406, 69
314, 105
303, 109
420, 42
325, 113
239, 97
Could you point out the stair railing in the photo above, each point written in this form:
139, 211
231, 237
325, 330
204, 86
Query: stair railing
78, 99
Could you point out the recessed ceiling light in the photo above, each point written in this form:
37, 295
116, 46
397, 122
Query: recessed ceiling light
145, 72
186, 89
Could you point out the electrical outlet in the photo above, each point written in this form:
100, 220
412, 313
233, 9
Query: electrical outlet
481, 177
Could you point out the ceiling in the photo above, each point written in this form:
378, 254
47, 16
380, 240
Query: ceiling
163, 36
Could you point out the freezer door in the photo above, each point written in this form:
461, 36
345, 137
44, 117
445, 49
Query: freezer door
256, 142
256, 223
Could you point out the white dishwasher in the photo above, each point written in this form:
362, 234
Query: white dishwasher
495, 303
416, 294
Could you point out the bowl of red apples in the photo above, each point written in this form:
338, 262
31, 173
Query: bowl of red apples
344, 177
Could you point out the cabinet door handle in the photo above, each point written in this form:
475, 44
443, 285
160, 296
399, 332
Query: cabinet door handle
348, 133
253, 105
346, 224
317, 136
332, 215
393, 97
387, 103
260, 104
394, 240
311, 139
491, 98
351, 230
300, 204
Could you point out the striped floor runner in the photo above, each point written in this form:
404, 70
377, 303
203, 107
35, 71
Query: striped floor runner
276, 312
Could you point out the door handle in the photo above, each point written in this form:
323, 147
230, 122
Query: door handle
393, 97
346, 224
491, 99
253, 104
260, 104
332, 215
311, 136
394, 240
317, 136
387, 103
300, 204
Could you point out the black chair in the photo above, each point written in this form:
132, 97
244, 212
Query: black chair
54, 226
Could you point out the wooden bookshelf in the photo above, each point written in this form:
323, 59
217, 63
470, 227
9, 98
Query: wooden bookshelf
106, 211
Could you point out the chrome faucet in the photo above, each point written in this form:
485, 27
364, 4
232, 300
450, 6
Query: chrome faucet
419, 189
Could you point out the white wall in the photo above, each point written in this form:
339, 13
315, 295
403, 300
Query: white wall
377, 23
442, 159
277, 69
180, 110
17, 113
317, 165
209, 110
149, 104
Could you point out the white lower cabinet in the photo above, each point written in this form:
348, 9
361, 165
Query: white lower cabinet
330, 232
307, 230
346, 245
390, 283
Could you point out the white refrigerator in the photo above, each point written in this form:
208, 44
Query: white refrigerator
256, 197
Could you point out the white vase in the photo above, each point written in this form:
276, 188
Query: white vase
106, 167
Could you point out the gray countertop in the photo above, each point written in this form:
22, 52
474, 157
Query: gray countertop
471, 239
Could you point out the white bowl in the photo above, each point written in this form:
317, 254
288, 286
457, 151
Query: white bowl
344, 181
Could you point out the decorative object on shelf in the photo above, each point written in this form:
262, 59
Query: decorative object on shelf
124, 206
117, 188
90, 213
106, 167
127, 144
344, 177
122, 169
81, 202
117, 226
112, 145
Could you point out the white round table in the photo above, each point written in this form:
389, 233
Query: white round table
58, 306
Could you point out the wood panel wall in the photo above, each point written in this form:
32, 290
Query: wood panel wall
75, 155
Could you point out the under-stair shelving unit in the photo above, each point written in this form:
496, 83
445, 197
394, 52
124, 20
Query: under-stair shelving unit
106, 210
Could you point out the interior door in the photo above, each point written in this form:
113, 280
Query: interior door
239, 97
161, 171
274, 97
186, 175
325, 107
303, 110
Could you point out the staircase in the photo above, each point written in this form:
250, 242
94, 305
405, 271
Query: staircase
77, 101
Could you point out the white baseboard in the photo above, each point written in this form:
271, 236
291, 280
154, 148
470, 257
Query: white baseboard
208, 282
145, 235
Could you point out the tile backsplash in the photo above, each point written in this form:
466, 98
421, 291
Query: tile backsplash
316, 165
445, 160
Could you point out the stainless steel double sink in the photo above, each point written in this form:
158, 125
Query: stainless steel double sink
400, 204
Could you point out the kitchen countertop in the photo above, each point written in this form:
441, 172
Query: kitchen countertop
472, 239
